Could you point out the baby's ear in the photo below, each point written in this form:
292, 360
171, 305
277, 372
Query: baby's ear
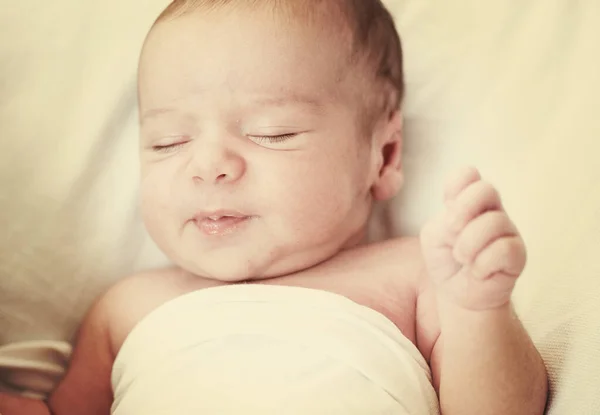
388, 156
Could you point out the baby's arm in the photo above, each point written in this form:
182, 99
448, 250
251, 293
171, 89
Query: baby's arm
16, 405
483, 361
86, 387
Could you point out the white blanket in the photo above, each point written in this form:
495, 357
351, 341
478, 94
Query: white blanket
256, 349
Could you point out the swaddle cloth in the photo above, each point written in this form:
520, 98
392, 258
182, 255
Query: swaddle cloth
256, 349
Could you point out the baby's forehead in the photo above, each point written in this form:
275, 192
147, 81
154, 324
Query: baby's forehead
249, 44
320, 43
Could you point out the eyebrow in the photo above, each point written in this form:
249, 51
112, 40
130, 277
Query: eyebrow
287, 99
259, 101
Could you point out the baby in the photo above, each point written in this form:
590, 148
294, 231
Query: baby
268, 130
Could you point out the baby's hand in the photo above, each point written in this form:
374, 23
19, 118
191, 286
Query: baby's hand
473, 252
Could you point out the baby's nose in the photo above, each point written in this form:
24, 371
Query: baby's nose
218, 166
215, 178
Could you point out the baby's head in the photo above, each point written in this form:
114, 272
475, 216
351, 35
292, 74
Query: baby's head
268, 130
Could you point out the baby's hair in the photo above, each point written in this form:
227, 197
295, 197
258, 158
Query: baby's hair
375, 43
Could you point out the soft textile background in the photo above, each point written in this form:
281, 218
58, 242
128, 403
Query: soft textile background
511, 86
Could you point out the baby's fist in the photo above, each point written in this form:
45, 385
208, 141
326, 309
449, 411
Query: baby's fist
473, 252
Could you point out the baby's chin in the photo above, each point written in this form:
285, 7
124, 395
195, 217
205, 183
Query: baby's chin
262, 262
236, 271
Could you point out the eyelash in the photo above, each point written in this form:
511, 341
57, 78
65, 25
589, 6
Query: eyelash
273, 139
169, 147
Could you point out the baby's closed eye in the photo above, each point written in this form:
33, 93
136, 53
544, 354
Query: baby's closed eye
171, 145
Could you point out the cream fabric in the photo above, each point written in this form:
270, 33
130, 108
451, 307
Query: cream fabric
510, 86
256, 349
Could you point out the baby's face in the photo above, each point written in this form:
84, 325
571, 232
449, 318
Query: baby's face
252, 163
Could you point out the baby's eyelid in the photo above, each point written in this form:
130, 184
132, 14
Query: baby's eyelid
274, 135
174, 143
272, 138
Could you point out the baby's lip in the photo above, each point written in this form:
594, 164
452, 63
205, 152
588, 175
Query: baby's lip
220, 222
218, 214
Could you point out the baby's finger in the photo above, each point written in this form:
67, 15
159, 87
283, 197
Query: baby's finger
459, 181
480, 233
504, 255
476, 199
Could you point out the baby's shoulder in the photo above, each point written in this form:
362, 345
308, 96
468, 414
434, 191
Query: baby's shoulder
384, 276
127, 302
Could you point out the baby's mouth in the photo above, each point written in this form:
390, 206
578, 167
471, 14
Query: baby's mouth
220, 224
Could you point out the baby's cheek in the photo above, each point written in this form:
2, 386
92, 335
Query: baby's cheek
155, 204
315, 201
